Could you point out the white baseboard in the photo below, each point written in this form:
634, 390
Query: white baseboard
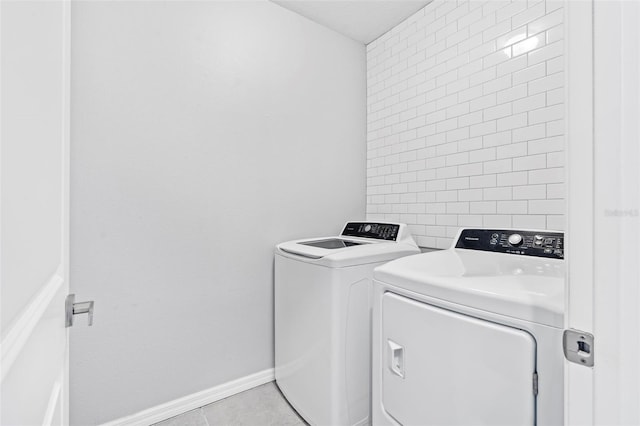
193, 401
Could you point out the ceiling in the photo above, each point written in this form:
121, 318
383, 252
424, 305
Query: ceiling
361, 20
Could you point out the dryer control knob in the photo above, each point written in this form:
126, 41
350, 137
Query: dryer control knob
515, 239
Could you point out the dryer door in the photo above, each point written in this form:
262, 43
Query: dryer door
445, 368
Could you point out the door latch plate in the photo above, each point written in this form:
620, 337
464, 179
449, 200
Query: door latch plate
578, 347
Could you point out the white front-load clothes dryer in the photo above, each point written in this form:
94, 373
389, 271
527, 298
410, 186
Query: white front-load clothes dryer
471, 334
323, 319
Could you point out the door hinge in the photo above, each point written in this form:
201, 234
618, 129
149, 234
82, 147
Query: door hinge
535, 384
578, 347
72, 308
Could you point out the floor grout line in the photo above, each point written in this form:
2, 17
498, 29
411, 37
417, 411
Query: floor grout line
204, 416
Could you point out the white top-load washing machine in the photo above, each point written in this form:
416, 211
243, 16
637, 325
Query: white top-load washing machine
323, 317
471, 334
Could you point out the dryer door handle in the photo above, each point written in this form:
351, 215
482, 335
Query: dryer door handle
396, 358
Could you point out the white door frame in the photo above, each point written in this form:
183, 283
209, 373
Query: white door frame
603, 162
579, 190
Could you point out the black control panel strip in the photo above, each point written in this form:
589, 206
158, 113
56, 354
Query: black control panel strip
528, 243
379, 231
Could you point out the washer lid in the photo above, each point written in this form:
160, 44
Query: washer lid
331, 243
354, 252
524, 287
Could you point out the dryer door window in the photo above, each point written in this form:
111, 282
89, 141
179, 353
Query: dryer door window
445, 368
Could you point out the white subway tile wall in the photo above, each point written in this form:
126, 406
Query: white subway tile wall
465, 119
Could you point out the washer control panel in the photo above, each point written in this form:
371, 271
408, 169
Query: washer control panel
528, 243
379, 231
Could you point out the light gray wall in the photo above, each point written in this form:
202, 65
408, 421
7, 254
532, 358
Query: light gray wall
203, 133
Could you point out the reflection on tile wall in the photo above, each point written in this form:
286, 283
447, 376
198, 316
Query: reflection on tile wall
465, 119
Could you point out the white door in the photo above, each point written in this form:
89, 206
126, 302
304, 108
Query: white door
34, 50
446, 368
603, 100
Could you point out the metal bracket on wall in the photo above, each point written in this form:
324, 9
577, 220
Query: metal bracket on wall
578, 347
72, 308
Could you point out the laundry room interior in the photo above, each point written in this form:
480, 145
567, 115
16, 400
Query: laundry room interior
267, 196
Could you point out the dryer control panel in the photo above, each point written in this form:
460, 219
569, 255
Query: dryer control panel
528, 243
378, 231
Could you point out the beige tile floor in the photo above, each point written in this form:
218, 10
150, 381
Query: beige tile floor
261, 406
